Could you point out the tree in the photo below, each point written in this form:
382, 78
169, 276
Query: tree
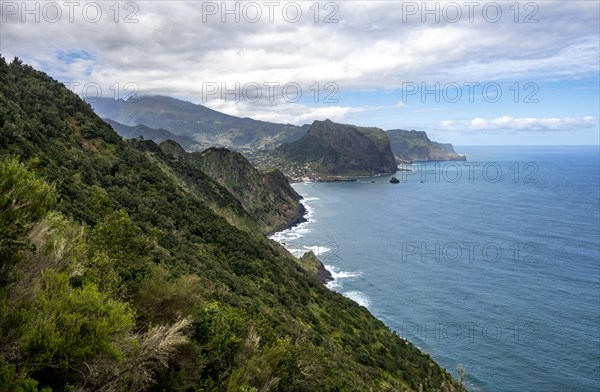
24, 199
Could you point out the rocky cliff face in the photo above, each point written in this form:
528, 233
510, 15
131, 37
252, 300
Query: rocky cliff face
416, 146
331, 149
267, 196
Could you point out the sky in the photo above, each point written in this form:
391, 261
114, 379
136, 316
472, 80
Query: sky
466, 72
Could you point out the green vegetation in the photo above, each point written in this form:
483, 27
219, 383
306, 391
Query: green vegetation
265, 196
118, 274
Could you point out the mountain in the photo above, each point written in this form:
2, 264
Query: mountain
416, 146
266, 196
331, 150
204, 125
157, 135
117, 274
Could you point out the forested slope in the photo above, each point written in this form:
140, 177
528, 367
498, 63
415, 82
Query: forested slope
115, 275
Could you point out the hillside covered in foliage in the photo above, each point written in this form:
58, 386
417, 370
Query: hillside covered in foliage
120, 273
329, 149
266, 195
156, 135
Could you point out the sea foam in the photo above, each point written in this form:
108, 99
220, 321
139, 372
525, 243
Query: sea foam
359, 297
290, 239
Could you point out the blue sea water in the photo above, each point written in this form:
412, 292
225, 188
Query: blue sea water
493, 264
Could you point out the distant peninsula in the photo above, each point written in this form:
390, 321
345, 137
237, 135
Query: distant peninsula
413, 145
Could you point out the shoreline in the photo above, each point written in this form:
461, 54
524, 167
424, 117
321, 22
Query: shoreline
301, 214
303, 218
333, 278
340, 178
323, 274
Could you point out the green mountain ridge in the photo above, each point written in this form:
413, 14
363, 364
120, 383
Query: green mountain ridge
156, 135
197, 127
266, 196
118, 274
204, 125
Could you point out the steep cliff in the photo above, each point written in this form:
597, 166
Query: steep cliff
266, 196
330, 149
416, 146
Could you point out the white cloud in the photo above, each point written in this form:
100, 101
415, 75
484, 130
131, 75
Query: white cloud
292, 113
172, 51
527, 124
172, 37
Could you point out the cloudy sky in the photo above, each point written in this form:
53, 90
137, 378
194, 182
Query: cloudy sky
467, 72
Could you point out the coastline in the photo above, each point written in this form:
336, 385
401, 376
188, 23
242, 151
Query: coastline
340, 178
323, 274
301, 214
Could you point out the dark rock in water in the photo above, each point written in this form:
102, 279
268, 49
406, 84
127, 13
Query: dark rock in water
394, 180
323, 275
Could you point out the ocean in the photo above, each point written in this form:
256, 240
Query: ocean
492, 264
